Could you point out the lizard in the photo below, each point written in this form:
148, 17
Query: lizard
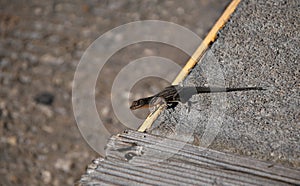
174, 94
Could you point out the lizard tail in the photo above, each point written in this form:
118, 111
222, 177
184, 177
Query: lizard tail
221, 89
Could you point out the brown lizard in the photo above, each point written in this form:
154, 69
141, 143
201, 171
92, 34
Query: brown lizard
173, 94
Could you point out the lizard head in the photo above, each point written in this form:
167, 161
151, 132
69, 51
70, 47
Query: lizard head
139, 104
147, 102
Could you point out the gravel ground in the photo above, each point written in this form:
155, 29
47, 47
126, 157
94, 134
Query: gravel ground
41, 43
258, 47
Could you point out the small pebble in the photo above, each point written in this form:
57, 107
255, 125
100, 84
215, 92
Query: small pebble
63, 164
52, 60
48, 129
46, 110
12, 140
44, 98
46, 176
25, 79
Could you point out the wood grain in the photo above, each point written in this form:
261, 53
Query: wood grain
135, 158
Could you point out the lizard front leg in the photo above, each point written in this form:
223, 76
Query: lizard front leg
156, 102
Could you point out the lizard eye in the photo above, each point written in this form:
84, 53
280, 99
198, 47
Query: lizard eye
140, 102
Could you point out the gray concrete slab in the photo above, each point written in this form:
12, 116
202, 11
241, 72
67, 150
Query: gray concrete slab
259, 46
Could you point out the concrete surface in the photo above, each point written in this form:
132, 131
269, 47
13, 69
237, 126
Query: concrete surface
259, 46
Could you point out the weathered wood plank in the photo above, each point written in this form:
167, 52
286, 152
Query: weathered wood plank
135, 158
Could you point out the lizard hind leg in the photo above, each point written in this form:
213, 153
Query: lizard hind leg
172, 105
189, 105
